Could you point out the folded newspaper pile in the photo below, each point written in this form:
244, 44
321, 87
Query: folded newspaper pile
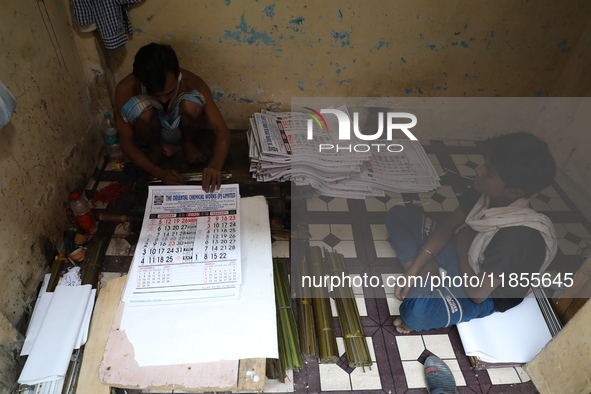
281, 149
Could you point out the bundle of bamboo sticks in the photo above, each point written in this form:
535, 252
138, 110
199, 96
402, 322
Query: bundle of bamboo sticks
355, 342
308, 343
327, 341
289, 346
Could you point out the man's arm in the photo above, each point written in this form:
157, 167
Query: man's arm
212, 174
123, 93
435, 243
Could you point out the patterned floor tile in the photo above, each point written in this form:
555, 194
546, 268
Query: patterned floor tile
466, 164
122, 230
456, 370
414, 373
280, 249
548, 200
333, 378
383, 204
118, 247
503, 376
522, 374
275, 386
439, 345
410, 347
316, 205
444, 199
572, 237
366, 378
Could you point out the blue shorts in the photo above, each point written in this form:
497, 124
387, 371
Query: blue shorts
423, 308
170, 120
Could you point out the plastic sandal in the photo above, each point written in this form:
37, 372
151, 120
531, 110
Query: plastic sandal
439, 376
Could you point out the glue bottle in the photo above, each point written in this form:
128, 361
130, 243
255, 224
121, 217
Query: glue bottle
83, 214
111, 137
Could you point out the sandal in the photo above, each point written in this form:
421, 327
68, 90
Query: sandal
439, 376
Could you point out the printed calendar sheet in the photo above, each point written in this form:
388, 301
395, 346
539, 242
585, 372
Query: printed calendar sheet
189, 247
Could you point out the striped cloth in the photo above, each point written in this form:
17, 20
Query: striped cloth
487, 221
111, 18
170, 119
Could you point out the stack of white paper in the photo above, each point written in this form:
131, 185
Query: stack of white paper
280, 150
59, 325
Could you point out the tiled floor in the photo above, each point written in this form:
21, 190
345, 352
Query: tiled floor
356, 229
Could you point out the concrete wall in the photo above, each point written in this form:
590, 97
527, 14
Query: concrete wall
47, 151
563, 365
261, 54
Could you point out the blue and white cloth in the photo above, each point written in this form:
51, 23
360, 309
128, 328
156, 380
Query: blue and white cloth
170, 118
111, 18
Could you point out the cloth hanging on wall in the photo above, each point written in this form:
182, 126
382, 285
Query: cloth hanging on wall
110, 16
7, 105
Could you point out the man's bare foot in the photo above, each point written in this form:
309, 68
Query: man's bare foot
400, 326
193, 154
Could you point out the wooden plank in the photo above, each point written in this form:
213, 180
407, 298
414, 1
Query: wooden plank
251, 374
100, 327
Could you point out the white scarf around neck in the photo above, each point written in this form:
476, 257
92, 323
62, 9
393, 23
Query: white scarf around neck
487, 221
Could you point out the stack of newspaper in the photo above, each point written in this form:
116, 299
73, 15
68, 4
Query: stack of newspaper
280, 149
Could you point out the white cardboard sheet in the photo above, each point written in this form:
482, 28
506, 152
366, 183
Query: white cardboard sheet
214, 331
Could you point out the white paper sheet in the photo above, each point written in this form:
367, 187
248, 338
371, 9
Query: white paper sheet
83, 333
514, 336
52, 350
214, 331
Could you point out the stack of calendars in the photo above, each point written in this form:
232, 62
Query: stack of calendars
280, 149
189, 247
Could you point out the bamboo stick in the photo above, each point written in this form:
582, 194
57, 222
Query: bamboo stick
327, 340
354, 338
308, 343
289, 346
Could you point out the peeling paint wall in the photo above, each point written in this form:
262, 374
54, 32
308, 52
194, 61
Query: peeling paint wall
259, 54
48, 150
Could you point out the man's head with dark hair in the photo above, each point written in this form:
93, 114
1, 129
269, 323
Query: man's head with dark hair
522, 160
151, 64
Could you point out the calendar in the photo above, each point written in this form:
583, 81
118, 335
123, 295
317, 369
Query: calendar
189, 247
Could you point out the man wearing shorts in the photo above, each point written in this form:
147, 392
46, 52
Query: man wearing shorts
161, 106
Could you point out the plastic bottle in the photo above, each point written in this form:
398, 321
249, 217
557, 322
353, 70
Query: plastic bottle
83, 214
111, 137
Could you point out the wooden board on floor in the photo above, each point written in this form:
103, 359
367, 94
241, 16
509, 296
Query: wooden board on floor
250, 376
100, 327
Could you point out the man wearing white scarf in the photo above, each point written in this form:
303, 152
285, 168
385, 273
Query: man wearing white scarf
493, 233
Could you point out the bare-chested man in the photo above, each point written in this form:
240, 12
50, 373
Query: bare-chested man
161, 106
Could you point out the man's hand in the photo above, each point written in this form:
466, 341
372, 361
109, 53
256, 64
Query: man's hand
211, 180
172, 177
410, 269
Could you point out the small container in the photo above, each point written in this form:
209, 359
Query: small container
83, 214
111, 137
